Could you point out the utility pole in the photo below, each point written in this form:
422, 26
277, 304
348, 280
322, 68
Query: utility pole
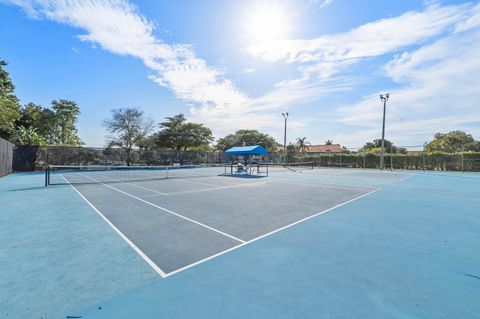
285, 116
384, 99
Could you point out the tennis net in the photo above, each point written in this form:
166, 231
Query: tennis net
291, 166
56, 175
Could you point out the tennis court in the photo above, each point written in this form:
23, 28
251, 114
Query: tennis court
311, 243
180, 217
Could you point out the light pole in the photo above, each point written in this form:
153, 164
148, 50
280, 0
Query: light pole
285, 116
384, 99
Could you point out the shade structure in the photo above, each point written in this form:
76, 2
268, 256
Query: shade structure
246, 150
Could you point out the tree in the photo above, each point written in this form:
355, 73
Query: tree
328, 142
65, 123
376, 145
40, 118
9, 105
29, 115
147, 142
454, 141
302, 144
27, 136
247, 137
178, 134
291, 152
128, 127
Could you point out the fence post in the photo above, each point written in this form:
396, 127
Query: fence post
423, 155
47, 173
391, 158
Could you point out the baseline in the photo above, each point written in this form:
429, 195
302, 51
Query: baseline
269, 233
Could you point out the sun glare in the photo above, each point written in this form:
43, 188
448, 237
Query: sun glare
267, 23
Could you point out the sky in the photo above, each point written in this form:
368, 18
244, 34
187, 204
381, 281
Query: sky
240, 64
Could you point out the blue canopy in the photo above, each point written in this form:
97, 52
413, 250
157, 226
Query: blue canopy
246, 150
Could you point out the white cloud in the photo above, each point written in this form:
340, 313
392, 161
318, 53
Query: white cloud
369, 40
472, 22
249, 70
325, 63
436, 79
437, 76
321, 3
439, 92
116, 26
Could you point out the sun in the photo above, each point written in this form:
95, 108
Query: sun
267, 23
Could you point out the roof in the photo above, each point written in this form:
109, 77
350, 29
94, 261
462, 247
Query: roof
246, 150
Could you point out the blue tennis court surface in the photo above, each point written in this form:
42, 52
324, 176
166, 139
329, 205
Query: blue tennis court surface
322, 243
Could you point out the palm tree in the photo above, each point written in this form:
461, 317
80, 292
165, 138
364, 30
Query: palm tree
328, 142
302, 144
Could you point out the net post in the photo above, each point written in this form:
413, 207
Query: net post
47, 172
47, 175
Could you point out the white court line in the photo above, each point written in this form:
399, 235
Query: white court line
148, 189
193, 182
270, 233
193, 191
402, 179
344, 187
125, 238
169, 211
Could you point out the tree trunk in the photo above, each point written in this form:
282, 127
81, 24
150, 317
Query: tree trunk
179, 154
127, 151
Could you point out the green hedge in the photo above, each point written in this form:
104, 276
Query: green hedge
437, 161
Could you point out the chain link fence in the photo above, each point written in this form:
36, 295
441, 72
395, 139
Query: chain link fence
6, 157
400, 158
31, 158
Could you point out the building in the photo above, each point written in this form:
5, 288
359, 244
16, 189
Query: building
323, 149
